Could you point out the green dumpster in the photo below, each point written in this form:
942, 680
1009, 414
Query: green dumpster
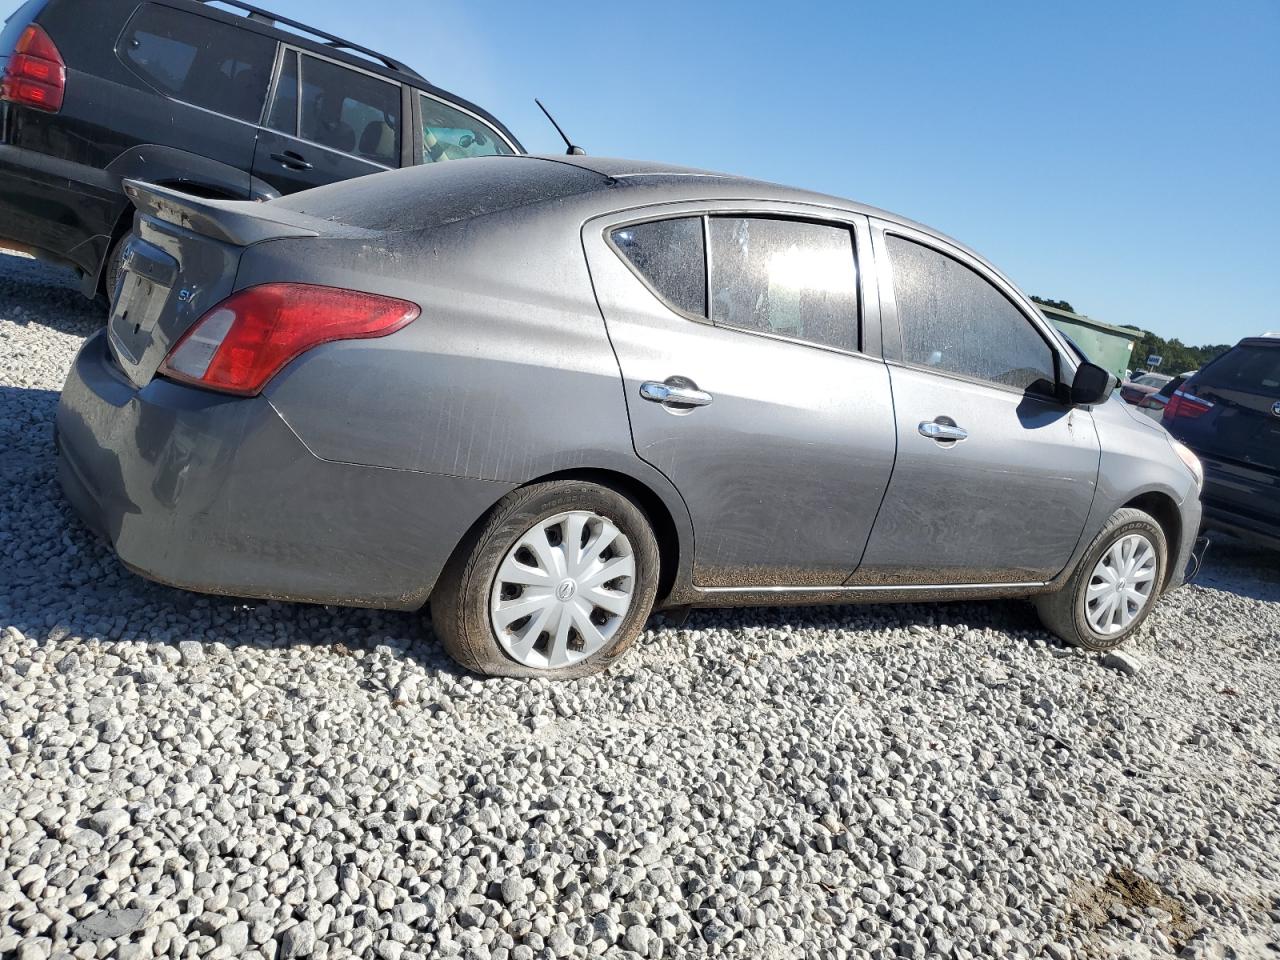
1107, 346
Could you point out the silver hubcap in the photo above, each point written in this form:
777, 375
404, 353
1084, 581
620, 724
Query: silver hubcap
563, 590
1121, 585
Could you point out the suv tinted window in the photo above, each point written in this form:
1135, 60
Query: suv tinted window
450, 134
1249, 368
954, 320
343, 109
204, 62
785, 277
669, 255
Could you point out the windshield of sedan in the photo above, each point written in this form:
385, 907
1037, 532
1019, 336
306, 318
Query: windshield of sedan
450, 134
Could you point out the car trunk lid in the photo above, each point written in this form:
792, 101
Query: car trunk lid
181, 261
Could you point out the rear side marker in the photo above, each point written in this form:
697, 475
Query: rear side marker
244, 341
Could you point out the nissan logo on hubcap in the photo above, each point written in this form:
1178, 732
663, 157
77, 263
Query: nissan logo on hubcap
1275, 409
566, 590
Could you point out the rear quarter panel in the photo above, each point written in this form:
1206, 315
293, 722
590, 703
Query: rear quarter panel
506, 375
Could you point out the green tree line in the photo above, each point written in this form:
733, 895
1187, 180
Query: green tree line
1178, 356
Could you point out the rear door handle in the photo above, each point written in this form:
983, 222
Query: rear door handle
943, 429
291, 160
675, 392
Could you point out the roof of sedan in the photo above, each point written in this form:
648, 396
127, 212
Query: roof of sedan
655, 174
487, 185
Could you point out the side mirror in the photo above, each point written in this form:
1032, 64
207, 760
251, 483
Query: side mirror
1091, 385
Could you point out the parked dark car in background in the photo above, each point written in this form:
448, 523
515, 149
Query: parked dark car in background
215, 103
1138, 388
544, 394
1229, 414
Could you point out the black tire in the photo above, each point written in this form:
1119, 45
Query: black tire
111, 270
1063, 612
460, 600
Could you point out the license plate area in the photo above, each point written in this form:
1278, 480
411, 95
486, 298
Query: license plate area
146, 280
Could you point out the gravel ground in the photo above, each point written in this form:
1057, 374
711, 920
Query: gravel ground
194, 777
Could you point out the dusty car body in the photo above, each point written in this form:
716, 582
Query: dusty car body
776, 461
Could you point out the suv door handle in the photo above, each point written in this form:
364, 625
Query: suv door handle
943, 429
291, 160
675, 392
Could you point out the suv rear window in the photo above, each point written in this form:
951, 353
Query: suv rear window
201, 61
1249, 368
450, 134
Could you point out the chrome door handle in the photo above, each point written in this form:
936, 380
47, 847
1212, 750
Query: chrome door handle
941, 429
676, 392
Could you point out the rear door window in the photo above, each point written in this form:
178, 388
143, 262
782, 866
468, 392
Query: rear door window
953, 320
450, 134
788, 278
1249, 368
200, 61
669, 256
347, 110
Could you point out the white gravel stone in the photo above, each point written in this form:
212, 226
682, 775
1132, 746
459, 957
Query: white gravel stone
189, 776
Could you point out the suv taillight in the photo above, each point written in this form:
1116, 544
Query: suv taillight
35, 75
1185, 405
245, 340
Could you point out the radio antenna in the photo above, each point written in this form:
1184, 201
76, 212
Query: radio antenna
574, 150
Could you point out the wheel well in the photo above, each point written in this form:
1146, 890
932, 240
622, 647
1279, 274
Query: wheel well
1165, 511
664, 527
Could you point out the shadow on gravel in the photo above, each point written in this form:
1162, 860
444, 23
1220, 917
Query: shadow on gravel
1243, 569
33, 292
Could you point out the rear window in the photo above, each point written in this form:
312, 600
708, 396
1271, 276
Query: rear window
1248, 368
201, 61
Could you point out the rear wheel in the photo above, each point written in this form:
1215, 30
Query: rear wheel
558, 582
1113, 588
111, 273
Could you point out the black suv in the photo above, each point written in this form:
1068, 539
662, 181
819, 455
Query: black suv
216, 103
1229, 414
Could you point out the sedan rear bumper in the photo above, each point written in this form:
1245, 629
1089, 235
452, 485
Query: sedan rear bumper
217, 494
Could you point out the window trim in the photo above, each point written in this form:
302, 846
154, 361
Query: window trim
705, 215
880, 232
132, 67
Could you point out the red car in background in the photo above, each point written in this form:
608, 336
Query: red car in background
1142, 386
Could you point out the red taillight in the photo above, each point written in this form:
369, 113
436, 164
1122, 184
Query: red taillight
1185, 405
35, 75
244, 341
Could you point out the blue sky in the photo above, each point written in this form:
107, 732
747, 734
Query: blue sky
1121, 156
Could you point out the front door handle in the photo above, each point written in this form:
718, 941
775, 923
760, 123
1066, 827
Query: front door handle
675, 392
943, 429
291, 160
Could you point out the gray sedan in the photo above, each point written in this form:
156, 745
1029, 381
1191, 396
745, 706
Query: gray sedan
545, 395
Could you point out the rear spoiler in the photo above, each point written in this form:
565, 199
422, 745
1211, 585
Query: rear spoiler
240, 222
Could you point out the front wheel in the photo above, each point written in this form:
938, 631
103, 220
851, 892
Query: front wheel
557, 581
1113, 588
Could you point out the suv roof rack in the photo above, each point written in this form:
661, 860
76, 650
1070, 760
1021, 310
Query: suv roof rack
260, 15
